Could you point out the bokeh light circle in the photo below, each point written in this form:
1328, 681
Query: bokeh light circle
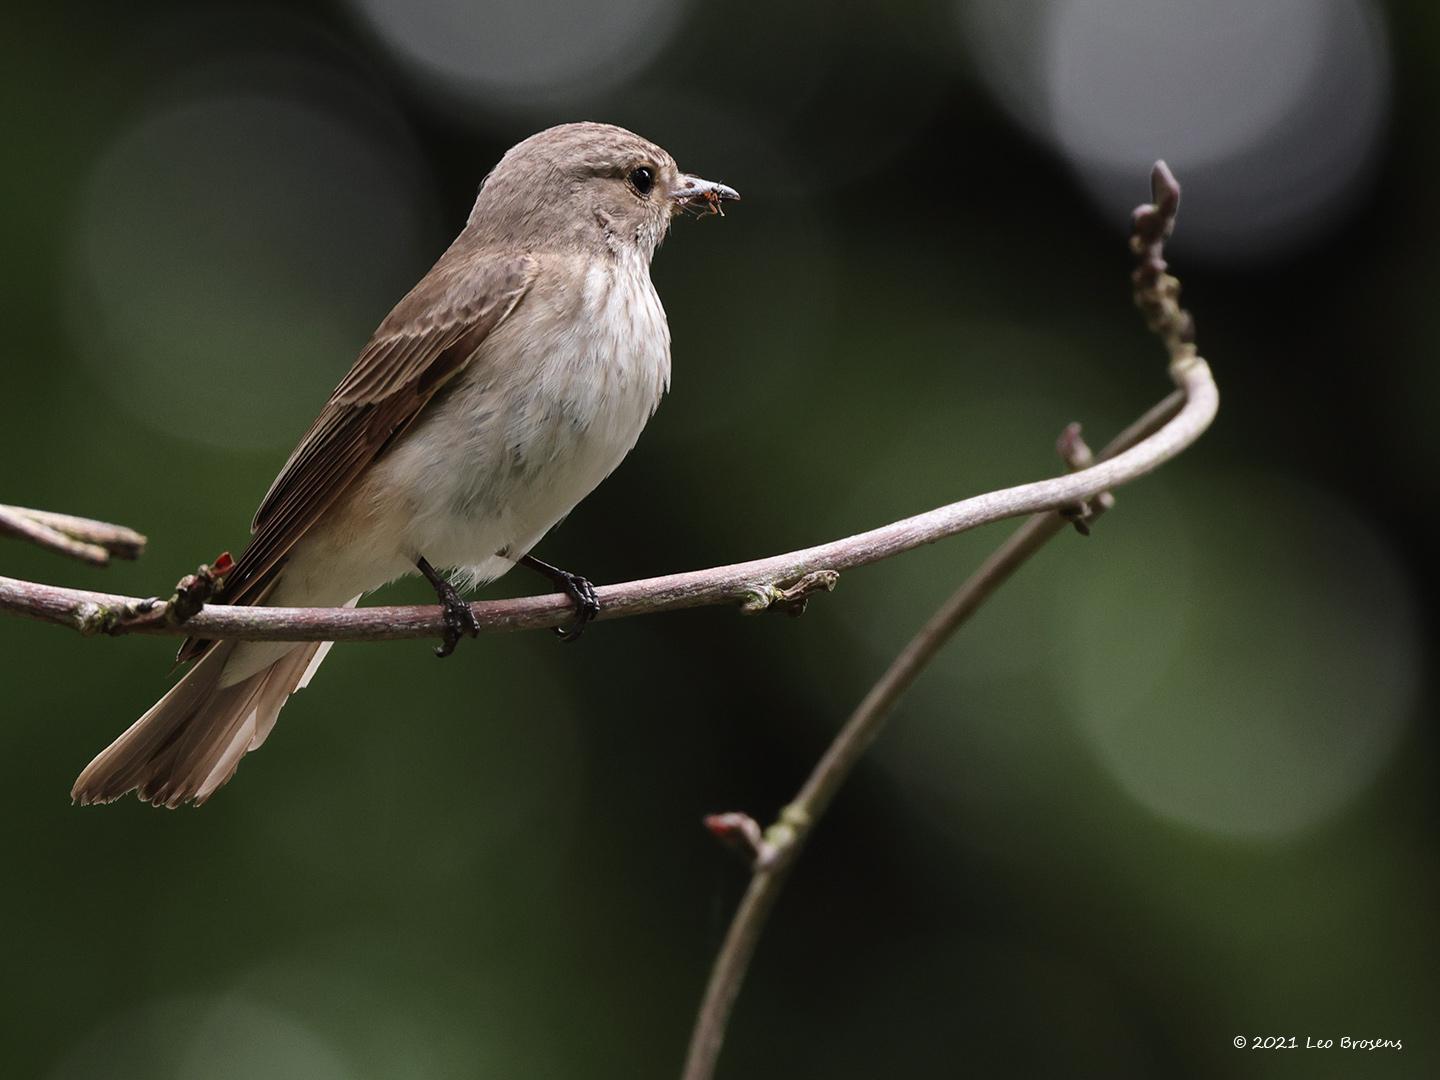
532, 54
1255, 685
1130, 77
1271, 114
232, 251
224, 1037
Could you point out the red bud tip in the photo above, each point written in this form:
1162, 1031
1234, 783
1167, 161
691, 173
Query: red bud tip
738, 831
723, 825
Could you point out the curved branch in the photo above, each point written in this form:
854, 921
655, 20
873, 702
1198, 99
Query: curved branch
773, 851
755, 585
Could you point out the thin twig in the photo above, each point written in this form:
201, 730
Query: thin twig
773, 851
80, 538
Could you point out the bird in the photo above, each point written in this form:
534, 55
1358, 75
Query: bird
497, 394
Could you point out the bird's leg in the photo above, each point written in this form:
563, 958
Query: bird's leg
579, 589
459, 619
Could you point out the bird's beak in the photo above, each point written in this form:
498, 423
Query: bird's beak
702, 196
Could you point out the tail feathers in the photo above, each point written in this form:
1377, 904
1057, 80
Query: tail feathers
191, 741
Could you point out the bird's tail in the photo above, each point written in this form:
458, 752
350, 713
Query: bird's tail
191, 741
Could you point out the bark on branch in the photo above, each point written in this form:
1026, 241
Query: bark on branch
754, 585
80, 538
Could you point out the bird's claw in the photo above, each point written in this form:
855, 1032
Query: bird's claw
578, 589
456, 614
459, 619
587, 605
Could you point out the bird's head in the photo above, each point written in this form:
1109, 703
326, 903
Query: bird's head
579, 186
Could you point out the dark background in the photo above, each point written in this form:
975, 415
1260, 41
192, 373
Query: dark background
1174, 785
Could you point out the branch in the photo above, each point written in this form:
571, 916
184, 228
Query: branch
773, 851
781, 580
80, 538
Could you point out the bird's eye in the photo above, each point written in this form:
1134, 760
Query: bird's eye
642, 179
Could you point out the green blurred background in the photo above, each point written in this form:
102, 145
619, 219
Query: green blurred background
1176, 784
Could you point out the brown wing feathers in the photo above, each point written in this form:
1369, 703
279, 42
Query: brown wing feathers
397, 373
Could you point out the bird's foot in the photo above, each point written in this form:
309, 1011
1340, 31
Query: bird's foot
578, 588
459, 619
587, 605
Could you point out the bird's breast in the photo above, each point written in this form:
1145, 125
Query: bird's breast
596, 381
555, 400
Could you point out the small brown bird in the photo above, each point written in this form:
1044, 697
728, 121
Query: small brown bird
495, 396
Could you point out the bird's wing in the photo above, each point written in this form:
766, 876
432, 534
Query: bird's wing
430, 336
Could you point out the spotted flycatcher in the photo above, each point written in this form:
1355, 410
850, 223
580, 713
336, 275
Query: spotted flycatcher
494, 397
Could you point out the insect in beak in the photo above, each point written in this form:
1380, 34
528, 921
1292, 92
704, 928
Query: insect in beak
702, 196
